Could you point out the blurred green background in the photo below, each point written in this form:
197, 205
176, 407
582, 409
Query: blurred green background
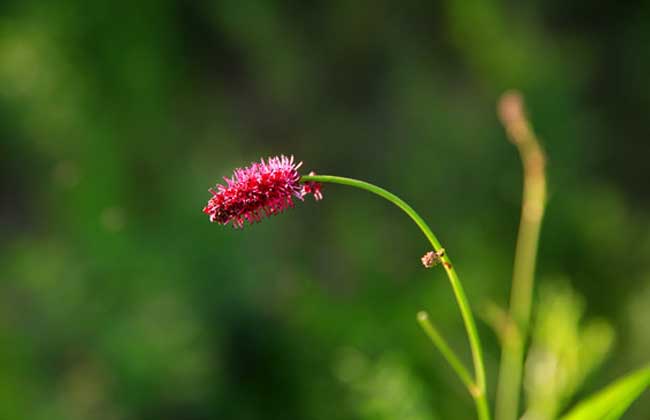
119, 300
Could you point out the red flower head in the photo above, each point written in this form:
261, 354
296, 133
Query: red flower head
262, 189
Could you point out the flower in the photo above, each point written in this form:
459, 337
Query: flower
260, 190
313, 188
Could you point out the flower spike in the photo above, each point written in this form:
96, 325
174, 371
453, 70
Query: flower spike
263, 189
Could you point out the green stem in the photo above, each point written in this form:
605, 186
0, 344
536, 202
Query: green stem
511, 111
466, 313
446, 351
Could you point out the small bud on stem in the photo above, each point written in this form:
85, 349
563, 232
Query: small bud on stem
432, 258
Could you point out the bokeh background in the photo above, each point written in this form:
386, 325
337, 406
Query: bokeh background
119, 300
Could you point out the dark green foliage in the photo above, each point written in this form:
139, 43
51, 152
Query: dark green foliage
118, 300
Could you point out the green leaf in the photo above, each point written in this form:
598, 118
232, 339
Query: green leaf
611, 402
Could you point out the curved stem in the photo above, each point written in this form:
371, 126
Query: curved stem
463, 304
